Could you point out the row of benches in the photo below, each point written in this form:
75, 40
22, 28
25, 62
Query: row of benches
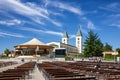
19, 72
80, 70
106, 70
8, 63
54, 72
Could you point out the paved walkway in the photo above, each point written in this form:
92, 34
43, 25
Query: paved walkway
36, 75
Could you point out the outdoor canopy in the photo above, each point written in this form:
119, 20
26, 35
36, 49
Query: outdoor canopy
34, 44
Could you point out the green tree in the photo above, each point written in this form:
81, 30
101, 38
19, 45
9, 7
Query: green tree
107, 47
7, 52
93, 45
118, 49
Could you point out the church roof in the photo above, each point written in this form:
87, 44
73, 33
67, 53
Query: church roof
79, 33
65, 35
34, 41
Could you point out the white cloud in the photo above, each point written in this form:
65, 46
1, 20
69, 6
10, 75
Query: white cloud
114, 16
56, 13
10, 22
69, 8
29, 10
49, 32
115, 24
82, 29
91, 12
31, 29
55, 23
114, 7
38, 8
113, 20
42, 31
90, 25
54, 33
38, 20
11, 34
72, 36
2, 36
64, 6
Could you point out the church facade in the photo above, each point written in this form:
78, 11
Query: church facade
65, 43
35, 46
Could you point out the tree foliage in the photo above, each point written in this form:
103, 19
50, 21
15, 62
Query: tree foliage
7, 52
107, 47
93, 45
118, 49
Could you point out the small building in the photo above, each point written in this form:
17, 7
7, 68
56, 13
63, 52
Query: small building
110, 52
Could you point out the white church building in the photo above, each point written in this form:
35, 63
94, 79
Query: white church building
65, 43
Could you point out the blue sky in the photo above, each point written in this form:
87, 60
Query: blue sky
22, 20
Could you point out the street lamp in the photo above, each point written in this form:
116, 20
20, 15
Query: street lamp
37, 49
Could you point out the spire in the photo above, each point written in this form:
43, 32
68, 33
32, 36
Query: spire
65, 35
79, 32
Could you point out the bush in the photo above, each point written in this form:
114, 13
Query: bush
4, 57
79, 56
109, 57
68, 58
118, 55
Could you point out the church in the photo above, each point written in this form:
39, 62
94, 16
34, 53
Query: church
65, 43
35, 46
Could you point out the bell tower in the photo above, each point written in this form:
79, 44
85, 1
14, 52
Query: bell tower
79, 41
65, 38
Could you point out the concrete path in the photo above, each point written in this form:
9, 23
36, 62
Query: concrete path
36, 75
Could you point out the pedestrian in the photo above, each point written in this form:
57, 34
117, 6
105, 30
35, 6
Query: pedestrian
22, 60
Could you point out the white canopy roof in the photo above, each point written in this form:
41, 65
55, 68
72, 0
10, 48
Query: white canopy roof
34, 41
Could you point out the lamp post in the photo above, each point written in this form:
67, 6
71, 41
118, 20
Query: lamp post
37, 49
